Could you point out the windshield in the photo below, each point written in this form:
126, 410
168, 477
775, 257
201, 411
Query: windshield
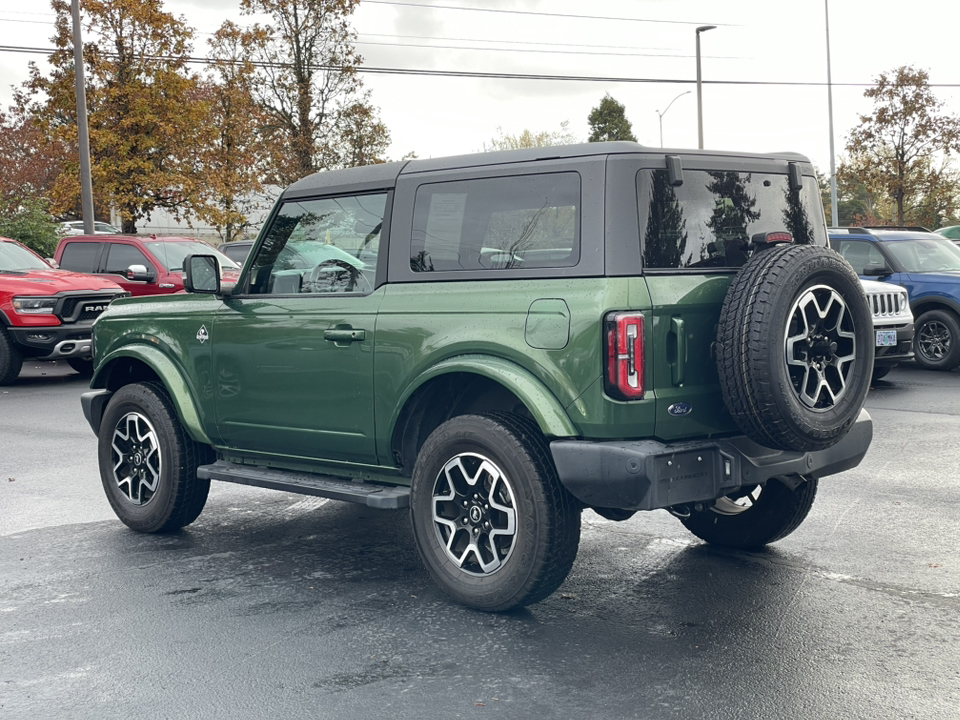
171, 254
14, 258
923, 256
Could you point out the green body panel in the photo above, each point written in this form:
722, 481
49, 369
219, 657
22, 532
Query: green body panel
420, 327
286, 386
161, 331
686, 311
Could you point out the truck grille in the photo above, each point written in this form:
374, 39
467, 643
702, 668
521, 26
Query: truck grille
83, 308
885, 305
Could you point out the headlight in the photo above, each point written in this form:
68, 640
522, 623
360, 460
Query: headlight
35, 306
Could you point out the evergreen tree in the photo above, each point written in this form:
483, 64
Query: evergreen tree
608, 121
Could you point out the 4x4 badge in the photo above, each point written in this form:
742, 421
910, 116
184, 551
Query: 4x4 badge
202, 334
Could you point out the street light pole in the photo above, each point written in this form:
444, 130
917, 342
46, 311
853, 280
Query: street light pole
661, 114
702, 28
834, 220
83, 135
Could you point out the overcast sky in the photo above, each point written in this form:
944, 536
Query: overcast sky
759, 41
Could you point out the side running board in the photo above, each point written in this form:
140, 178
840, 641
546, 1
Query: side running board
382, 497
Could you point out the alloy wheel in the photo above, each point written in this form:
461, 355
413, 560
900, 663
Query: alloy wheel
137, 462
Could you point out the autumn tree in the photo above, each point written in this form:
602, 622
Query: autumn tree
145, 111
530, 139
31, 162
608, 121
318, 115
233, 162
902, 149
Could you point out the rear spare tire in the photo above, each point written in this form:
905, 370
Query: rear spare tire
795, 347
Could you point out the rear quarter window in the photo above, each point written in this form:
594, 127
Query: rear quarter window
529, 221
708, 221
80, 256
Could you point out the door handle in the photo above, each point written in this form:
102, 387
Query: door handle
345, 335
679, 369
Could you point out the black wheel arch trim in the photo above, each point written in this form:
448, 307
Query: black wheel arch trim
923, 303
93, 404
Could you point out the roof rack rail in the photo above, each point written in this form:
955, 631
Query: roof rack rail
913, 228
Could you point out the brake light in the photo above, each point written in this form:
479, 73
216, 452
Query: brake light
623, 377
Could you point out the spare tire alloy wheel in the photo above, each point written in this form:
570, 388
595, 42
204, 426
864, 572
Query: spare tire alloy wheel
795, 347
494, 526
148, 463
821, 347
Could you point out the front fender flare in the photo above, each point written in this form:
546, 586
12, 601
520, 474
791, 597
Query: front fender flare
542, 404
172, 379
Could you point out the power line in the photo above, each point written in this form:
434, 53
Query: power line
510, 42
541, 14
500, 76
549, 52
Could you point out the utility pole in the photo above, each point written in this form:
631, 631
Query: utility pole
834, 220
83, 133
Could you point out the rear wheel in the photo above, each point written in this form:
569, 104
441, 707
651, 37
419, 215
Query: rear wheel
493, 524
936, 343
148, 463
754, 516
11, 359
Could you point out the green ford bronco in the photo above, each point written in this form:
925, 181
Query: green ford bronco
497, 342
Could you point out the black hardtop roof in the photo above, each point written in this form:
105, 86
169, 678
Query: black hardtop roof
385, 174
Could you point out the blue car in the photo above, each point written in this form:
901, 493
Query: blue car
928, 266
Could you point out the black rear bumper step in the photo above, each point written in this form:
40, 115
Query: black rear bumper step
382, 497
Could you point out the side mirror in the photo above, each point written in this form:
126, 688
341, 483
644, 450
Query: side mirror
139, 273
876, 270
53, 263
201, 274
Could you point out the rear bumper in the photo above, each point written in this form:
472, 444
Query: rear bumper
647, 474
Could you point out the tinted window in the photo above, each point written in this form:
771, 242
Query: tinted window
529, 221
328, 245
237, 252
859, 254
80, 256
121, 256
708, 221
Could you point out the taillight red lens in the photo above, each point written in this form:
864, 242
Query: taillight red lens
624, 366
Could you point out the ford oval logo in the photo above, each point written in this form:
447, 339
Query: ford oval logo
679, 409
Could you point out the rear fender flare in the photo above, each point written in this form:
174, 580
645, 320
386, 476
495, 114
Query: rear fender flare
542, 404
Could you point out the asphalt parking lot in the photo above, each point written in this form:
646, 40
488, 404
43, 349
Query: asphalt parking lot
276, 605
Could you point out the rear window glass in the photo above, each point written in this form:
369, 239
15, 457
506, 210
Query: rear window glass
708, 221
528, 221
80, 256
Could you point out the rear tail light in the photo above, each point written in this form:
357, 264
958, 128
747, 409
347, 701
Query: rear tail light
623, 376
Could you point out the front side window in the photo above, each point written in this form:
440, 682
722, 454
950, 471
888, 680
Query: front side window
325, 245
121, 256
709, 220
526, 221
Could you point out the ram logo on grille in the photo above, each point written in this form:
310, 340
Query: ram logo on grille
97, 308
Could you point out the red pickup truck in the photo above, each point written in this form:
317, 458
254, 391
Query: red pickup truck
46, 313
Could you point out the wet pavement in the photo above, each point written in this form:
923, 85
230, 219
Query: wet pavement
276, 605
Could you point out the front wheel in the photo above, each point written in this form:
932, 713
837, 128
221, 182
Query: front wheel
936, 343
11, 360
84, 366
754, 516
493, 524
148, 463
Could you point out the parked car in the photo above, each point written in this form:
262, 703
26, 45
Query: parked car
951, 232
75, 227
236, 250
141, 265
892, 325
46, 313
498, 341
928, 266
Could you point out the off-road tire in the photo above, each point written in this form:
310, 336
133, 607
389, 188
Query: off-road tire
144, 413
881, 372
776, 513
11, 359
768, 399
936, 342
547, 518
